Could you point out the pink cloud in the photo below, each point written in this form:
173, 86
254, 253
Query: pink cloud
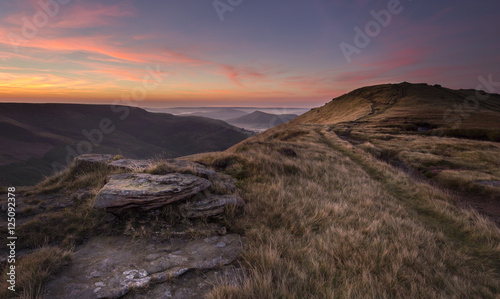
76, 14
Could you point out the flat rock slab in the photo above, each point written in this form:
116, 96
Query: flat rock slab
183, 286
196, 168
147, 191
131, 164
110, 267
209, 207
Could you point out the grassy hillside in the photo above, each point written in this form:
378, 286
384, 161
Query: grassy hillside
33, 136
409, 106
324, 219
449, 137
348, 208
347, 201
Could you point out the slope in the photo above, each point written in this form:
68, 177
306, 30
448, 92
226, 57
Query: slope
408, 106
325, 219
35, 136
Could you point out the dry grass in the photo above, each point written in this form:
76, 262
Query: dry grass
33, 270
335, 222
74, 178
324, 219
61, 229
454, 163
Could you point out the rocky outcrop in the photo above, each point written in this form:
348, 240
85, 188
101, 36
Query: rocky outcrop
186, 184
111, 267
157, 247
134, 165
210, 206
147, 191
130, 164
193, 167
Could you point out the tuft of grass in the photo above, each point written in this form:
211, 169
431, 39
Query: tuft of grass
33, 270
76, 177
161, 168
479, 134
67, 228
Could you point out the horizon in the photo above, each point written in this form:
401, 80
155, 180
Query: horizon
245, 54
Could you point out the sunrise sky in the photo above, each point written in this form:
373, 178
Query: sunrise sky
258, 53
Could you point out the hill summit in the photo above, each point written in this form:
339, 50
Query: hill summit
462, 113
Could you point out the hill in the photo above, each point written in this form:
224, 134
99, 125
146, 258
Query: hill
410, 106
259, 120
337, 203
36, 137
369, 196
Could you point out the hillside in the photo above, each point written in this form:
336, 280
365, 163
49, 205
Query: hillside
34, 136
409, 106
338, 203
259, 120
366, 197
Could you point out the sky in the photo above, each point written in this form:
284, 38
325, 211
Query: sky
265, 53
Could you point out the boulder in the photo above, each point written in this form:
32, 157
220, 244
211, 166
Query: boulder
196, 168
209, 207
131, 164
147, 191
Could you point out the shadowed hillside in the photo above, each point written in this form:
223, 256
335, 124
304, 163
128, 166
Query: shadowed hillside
34, 136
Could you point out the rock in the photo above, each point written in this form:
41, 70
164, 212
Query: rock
196, 168
147, 191
211, 206
123, 266
93, 159
130, 164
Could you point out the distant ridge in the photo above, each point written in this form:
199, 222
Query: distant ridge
35, 136
260, 120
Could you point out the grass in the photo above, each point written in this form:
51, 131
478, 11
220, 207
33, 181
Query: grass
330, 217
33, 270
50, 236
451, 162
343, 224
50, 233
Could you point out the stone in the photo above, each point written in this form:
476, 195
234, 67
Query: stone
147, 191
113, 257
196, 168
209, 207
131, 164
